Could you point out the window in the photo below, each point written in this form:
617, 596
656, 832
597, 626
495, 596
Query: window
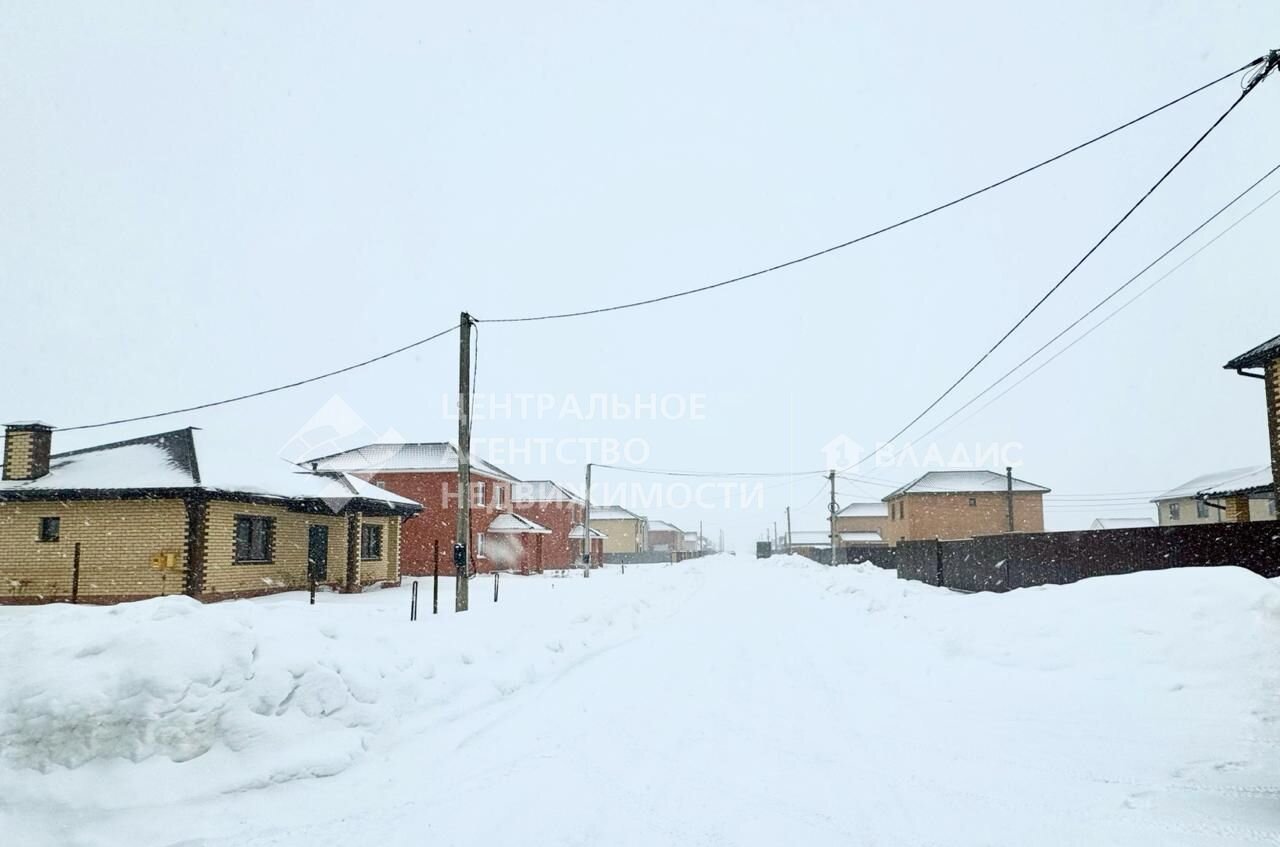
1271, 505
49, 528
255, 538
499, 495
477, 494
370, 541
1175, 511
480, 545
973, 501
1202, 509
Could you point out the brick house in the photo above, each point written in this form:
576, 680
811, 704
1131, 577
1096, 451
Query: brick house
427, 472
560, 510
182, 513
664, 537
962, 504
1265, 358
623, 529
863, 523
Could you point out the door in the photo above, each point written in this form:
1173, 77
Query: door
317, 552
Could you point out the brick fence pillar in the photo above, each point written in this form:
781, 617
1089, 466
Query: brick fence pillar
1273, 423
1237, 509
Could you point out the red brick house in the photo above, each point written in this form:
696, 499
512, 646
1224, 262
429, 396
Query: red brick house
559, 510
430, 471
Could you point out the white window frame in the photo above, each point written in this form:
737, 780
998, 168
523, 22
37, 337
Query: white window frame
477, 493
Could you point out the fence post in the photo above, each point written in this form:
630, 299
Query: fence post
413, 601
75, 573
311, 580
937, 548
495, 586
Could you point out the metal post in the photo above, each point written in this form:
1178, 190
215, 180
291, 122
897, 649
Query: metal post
312, 580
435, 586
831, 509
586, 528
413, 601
1008, 484
462, 537
495, 586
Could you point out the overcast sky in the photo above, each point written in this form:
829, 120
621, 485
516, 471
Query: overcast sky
199, 200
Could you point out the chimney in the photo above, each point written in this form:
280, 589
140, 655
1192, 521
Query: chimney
26, 449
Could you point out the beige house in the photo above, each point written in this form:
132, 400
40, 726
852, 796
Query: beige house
180, 513
1204, 499
624, 531
863, 523
962, 504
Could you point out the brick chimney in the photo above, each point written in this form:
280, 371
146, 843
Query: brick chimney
1273, 423
26, 449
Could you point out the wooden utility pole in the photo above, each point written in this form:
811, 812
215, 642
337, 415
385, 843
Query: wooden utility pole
699, 538
586, 529
788, 530
1008, 492
462, 537
831, 509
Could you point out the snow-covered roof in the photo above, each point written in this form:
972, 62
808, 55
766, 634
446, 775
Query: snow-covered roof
192, 458
963, 482
29, 425
612, 513
810, 538
1220, 483
576, 532
542, 491
410, 456
1257, 357
862, 537
864, 510
1121, 523
663, 526
509, 523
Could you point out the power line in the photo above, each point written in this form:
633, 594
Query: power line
1271, 61
708, 474
1123, 306
264, 391
1096, 306
890, 227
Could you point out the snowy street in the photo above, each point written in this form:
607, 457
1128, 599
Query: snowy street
722, 701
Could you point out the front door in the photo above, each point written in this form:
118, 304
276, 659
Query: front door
317, 552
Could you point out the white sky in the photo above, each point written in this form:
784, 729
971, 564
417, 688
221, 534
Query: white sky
200, 200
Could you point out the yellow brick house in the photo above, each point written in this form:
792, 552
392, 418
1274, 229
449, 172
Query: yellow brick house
182, 513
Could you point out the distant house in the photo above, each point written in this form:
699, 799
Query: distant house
183, 512
427, 472
558, 509
1204, 498
623, 529
597, 543
665, 537
962, 504
1121, 523
867, 523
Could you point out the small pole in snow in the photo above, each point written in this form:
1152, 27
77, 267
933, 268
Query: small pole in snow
586, 528
1008, 484
831, 509
788, 530
435, 586
495, 586
312, 580
413, 601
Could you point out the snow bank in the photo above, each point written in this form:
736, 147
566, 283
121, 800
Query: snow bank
272, 690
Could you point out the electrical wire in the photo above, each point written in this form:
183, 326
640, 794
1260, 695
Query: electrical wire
888, 228
1070, 272
708, 474
1096, 306
264, 391
1121, 308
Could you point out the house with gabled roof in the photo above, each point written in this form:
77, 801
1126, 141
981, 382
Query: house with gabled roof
183, 512
624, 530
665, 537
1205, 498
963, 503
427, 472
560, 510
863, 523
1262, 363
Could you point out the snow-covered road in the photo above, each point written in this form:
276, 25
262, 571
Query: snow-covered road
718, 702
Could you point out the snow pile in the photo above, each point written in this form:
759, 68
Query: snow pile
278, 688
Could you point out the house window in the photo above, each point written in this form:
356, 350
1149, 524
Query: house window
477, 494
1175, 511
370, 541
973, 501
499, 495
480, 545
49, 528
254, 538
1202, 509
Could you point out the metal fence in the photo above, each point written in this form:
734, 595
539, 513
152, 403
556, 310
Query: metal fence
1019, 560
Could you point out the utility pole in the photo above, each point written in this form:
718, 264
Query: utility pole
775, 536
721, 550
788, 530
586, 529
462, 537
699, 538
831, 510
1008, 493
